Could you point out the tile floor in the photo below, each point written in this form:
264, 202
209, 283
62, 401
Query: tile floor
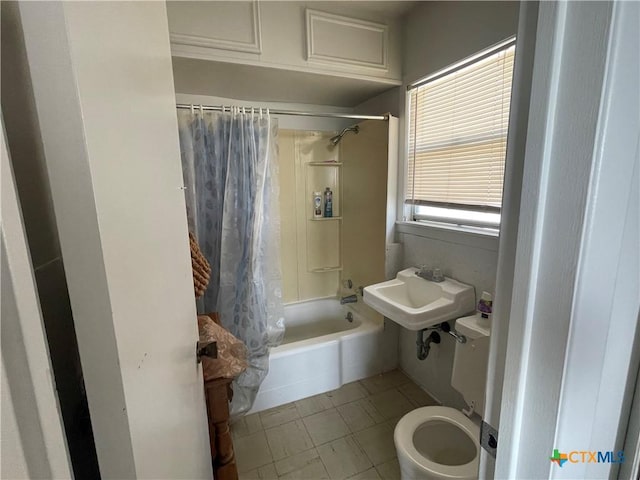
344, 434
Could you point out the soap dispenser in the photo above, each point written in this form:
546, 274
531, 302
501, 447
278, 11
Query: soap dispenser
485, 309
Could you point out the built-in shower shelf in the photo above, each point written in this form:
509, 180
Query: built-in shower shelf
325, 164
325, 269
325, 219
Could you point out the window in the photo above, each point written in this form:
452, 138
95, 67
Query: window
458, 120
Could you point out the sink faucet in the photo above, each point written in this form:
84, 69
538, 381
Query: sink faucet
431, 274
350, 299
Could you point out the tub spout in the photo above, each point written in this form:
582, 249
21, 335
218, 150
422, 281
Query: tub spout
349, 299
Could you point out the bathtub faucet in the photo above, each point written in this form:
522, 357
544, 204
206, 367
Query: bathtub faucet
350, 299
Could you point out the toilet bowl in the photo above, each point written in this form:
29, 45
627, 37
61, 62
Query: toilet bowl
437, 443
442, 442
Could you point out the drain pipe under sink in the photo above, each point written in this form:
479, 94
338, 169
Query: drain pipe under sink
423, 346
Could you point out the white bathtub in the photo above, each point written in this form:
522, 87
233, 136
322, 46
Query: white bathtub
321, 351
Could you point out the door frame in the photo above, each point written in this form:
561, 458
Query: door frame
631, 468
106, 107
580, 141
33, 430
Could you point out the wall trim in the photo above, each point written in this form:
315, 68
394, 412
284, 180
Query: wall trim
255, 46
315, 16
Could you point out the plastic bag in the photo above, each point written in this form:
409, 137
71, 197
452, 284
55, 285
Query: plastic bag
232, 353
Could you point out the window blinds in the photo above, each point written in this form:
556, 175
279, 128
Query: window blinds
458, 134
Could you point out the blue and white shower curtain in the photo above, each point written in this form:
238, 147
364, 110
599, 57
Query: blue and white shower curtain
230, 169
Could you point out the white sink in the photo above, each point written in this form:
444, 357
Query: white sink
416, 303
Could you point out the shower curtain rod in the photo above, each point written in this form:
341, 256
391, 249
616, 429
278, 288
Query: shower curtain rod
275, 111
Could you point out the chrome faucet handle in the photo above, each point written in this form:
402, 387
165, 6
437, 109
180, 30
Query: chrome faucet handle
425, 272
437, 275
445, 327
432, 274
349, 299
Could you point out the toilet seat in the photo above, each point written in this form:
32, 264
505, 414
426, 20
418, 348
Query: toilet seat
407, 426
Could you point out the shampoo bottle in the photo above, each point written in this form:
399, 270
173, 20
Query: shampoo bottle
328, 203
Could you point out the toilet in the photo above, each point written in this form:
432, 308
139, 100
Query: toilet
442, 442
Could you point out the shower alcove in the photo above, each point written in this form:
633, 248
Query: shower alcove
322, 349
318, 253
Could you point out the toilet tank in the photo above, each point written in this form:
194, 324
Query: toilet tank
469, 374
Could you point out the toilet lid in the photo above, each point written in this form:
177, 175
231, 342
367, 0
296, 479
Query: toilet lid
407, 426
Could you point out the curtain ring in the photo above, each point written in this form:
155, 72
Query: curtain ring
193, 112
201, 111
267, 111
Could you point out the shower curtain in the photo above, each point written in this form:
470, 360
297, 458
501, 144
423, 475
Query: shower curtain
230, 169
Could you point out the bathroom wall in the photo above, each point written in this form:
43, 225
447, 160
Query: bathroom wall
366, 164
470, 260
370, 165
387, 102
438, 34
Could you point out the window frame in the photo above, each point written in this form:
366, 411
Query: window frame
445, 216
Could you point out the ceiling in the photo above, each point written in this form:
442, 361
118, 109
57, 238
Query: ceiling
244, 82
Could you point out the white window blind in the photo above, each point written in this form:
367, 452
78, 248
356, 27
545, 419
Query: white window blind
458, 125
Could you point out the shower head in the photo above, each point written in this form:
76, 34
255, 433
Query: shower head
335, 140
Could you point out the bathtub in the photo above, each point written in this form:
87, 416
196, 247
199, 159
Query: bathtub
321, 351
